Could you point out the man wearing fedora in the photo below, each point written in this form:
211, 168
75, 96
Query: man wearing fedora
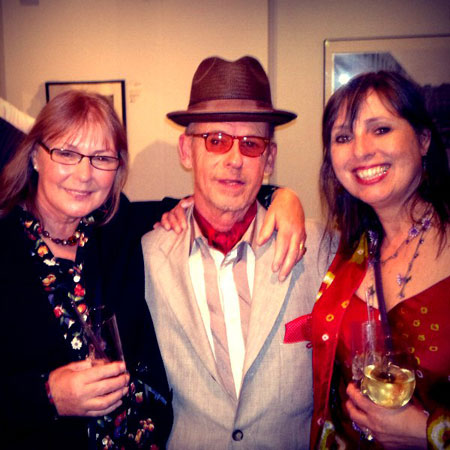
218, 309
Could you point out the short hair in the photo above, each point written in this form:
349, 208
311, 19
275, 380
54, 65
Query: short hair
69, 112
403, 97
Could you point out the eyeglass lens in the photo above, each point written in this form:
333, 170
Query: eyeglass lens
248, 145
70, 157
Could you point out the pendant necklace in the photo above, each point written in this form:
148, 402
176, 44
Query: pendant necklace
402, 280
417, 230
413, 232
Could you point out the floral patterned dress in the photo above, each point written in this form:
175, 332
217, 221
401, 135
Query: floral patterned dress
128, 426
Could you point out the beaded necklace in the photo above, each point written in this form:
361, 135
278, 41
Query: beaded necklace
77, 238
71, 241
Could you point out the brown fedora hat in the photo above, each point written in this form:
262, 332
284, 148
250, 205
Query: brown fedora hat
230, 91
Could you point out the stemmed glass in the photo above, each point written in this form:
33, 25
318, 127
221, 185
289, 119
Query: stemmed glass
364, 349
384, 375
388, 378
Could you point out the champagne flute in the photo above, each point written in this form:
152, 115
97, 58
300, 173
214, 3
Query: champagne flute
104, 339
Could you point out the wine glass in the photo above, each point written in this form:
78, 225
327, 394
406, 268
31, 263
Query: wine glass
389, 380
103, 335
364, 348
385, 376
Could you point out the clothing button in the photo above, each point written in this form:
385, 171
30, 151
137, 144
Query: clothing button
238, 435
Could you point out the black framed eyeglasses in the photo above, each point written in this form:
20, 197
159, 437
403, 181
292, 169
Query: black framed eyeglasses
219, 142
72, 158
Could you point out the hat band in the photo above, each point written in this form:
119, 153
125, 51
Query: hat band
230, 105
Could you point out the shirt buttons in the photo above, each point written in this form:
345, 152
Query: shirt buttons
238, 435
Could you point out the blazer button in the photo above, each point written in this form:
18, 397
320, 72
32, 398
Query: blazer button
238, 435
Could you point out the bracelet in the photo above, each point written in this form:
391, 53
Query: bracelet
438, 431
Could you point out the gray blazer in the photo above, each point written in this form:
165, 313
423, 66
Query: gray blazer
276, 399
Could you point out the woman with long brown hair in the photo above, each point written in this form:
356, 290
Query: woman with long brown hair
385, 180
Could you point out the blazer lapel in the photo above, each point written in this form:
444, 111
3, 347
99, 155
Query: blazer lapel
268, 298
180, 296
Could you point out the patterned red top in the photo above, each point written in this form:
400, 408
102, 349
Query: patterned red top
418, 322
421, 321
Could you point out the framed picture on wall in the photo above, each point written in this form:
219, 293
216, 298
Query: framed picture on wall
113, 90
425, 59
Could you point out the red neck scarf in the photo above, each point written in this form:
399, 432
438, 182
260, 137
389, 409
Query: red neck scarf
224, 241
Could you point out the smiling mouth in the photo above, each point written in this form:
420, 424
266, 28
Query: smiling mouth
231, 182
78, 193
372, 172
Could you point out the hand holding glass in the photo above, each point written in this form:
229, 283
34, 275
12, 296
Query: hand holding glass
104, 339
387, 378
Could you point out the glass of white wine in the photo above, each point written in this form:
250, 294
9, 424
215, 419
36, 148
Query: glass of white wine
385, 376
388, 379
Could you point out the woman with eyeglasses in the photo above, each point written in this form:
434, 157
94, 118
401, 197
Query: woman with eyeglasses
70, 241
66, 248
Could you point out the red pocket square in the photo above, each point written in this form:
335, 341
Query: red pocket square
298, 330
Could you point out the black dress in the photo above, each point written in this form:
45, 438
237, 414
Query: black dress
33, 344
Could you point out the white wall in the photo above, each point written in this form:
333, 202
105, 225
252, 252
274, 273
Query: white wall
155, 45
302, 27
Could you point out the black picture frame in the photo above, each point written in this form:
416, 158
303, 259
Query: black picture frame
114, 90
